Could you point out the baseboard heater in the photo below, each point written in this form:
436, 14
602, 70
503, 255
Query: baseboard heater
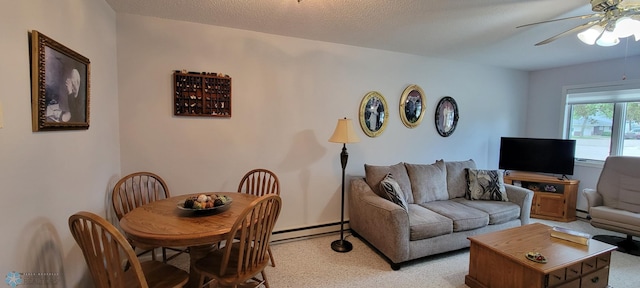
582, 214
307, 232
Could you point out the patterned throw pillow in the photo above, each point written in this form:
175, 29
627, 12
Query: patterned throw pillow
485, 185
392, 189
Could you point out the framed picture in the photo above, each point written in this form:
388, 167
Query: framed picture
373, 114
412, 106
59, 86
446, 116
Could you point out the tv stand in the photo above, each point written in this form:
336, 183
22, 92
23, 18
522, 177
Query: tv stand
554, 198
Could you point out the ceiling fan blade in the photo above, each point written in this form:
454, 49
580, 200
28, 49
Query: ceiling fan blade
600, 15
572, 30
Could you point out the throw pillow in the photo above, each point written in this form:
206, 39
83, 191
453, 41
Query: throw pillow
375, 174
393, 192
485, 185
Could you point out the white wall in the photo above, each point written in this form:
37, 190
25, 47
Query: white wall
287, 96
47, 176
545, 102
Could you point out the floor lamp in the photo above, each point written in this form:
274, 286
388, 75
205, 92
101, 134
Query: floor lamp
344, 134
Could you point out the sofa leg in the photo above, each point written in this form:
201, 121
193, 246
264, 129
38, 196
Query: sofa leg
395, 266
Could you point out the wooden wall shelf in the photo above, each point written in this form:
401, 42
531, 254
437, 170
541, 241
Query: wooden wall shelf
201, 94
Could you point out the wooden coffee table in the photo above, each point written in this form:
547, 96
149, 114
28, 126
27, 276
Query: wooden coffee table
497, 260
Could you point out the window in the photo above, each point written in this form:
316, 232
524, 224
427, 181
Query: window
603, 119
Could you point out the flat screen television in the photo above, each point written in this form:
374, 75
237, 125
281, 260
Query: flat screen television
554, 156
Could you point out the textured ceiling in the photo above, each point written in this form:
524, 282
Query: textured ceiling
479, 31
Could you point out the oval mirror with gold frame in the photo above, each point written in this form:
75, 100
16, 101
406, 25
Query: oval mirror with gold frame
412, 106
373, 114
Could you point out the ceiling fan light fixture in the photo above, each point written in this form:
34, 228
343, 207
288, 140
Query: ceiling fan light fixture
604, 5
590, 35
607, 39
625, 27
612, 20
636, 32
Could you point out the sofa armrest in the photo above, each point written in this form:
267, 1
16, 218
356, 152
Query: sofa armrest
384, 224
593, 198
523, 197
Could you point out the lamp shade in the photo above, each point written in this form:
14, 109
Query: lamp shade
344, 132
625, 27
608, 38
590, 35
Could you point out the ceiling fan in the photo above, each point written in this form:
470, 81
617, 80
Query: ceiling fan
612, 20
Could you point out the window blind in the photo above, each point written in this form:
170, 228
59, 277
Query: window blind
628, 92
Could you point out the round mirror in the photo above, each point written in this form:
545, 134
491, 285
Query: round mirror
373, 114
412, 106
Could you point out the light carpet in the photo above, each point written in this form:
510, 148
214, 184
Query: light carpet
311, 263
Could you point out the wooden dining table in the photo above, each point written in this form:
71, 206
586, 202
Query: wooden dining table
163, 224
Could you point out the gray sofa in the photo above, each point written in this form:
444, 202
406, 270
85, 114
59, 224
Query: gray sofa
438, 217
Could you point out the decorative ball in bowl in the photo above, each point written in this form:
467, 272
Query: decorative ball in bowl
205, 202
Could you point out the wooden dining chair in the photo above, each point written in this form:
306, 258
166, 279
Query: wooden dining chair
112, 261
135, 190
260, 182
239, 261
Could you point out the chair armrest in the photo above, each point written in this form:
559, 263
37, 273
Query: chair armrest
523, 197
384, 224
593, 198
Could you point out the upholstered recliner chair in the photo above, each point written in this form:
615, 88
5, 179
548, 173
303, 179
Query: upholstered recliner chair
615, 203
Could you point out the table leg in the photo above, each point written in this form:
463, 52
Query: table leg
196, 253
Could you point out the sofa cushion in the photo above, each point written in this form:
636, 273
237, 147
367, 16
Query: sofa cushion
485, 185
464, 217
375, 174
392, 190
456, 177
499, 212
428, 182
424, 223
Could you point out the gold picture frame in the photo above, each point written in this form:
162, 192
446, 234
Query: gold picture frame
413, 104
59, 86
374, 114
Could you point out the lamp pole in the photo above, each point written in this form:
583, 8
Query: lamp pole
342, 245
344, 134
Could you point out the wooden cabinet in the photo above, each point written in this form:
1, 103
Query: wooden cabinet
553, 199
549, 205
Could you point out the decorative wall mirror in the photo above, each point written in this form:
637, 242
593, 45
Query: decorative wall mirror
373, 114
446, 116
412, 106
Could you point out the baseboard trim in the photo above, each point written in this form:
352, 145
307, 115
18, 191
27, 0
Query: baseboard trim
307, 232
581, 214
